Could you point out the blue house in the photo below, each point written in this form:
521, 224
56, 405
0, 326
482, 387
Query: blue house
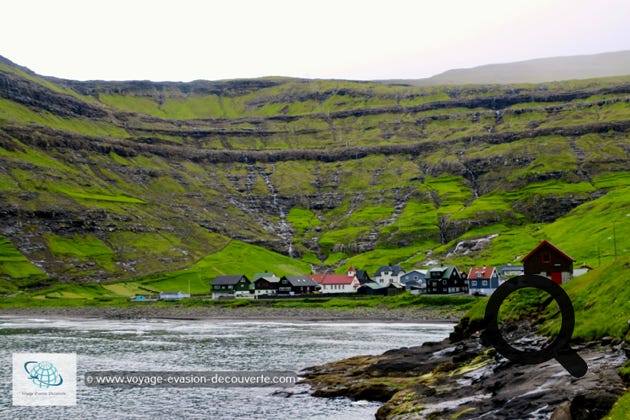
483, 281
414, 281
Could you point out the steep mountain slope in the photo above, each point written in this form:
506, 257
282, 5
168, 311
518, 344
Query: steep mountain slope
105, 180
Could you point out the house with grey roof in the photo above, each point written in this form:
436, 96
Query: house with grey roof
388, 274
230, 286
414, 281
297, 285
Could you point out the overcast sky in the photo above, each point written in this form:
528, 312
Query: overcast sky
183, 40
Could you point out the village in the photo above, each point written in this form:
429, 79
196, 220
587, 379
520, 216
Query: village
545, 259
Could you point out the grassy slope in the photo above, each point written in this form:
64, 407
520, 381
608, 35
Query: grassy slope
235, 258
600, 299
399, 199
14, 265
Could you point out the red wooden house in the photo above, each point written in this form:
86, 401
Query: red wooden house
547, 260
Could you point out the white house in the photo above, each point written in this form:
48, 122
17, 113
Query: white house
338, 283
388, 274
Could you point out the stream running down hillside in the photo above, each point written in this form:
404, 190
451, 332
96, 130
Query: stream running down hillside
284, 228
108, 180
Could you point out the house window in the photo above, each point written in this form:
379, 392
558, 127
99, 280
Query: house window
473, 283
484, 283
444, 282
546, 257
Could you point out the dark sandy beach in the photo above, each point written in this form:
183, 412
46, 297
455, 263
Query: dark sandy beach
248, 313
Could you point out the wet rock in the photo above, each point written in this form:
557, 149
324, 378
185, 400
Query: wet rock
592, 405
467, 380
562, 412
373, 392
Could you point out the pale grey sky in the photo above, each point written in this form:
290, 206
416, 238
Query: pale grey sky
348, 39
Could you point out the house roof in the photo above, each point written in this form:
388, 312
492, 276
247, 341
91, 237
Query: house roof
270, 277
510, 267
329, 279
395, 269
420, 273
372, 285
549, 245
231, 279
484, 273
446, 270
304, 281
362, 274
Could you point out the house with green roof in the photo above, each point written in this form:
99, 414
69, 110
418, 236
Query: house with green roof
446, 279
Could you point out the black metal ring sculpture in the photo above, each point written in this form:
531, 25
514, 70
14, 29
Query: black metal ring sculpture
558, 349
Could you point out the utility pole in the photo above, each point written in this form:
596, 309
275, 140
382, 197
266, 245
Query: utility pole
614, 241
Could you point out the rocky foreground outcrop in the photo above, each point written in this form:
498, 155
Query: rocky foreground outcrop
464, 379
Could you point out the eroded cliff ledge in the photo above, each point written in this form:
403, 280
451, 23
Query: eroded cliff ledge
465, 380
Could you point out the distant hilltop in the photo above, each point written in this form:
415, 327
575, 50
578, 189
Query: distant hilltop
533, 71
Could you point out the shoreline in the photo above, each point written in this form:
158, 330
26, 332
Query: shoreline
260, 314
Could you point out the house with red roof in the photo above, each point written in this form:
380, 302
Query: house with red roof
549, 261
338, 283
483, 281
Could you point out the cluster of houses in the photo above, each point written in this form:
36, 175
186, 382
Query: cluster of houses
546, 260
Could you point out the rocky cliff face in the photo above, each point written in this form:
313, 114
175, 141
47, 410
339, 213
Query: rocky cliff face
306, 168
465, 380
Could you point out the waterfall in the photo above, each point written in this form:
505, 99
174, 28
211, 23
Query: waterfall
283, 225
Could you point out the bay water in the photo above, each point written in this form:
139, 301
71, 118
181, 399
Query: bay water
200, 345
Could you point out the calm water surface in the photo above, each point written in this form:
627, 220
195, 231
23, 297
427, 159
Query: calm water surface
159, 345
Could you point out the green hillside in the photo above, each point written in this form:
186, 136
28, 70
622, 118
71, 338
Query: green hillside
600, 299
171, 183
